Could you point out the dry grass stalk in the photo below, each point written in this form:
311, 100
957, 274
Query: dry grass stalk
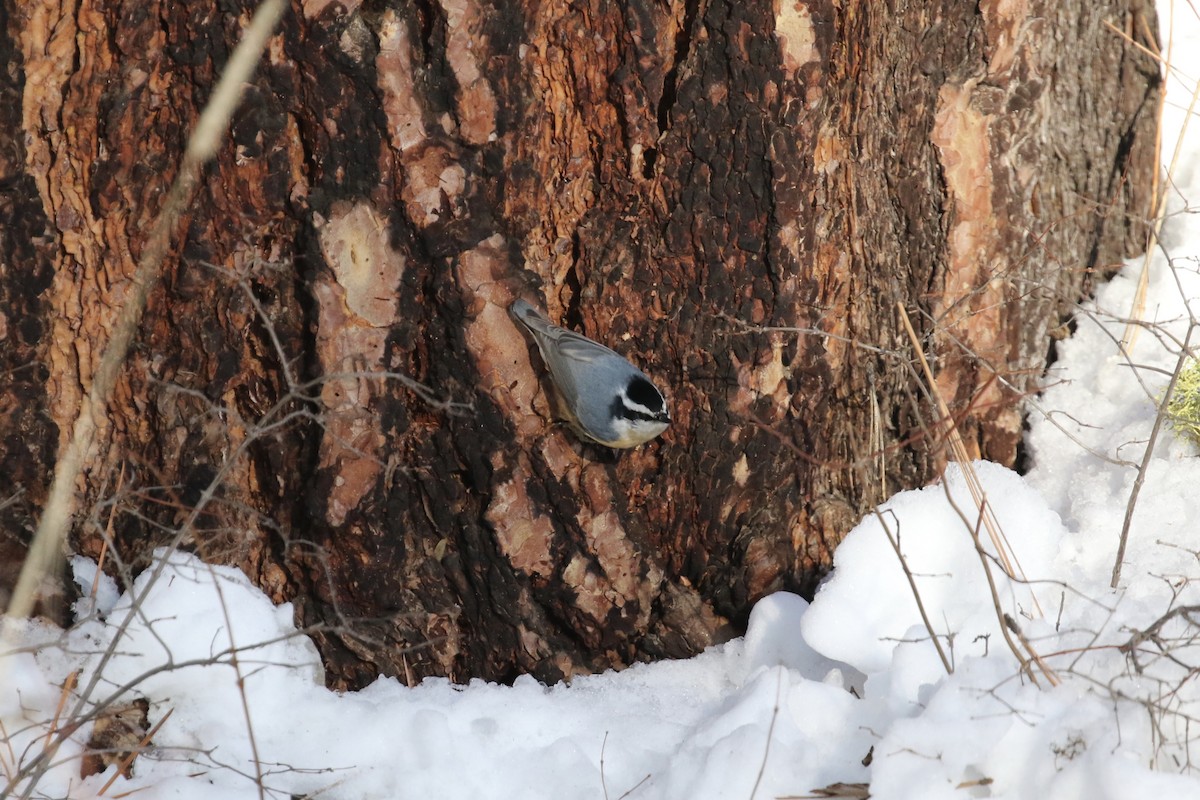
1004, 550
985, 518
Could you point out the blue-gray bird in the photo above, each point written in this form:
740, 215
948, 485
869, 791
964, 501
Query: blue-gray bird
603, 397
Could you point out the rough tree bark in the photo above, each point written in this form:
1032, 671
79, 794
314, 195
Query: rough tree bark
734, 194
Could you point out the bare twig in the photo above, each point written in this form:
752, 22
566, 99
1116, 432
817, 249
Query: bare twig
991, 582
762, 768
912, 584
1184, 355
603, 783
236, 663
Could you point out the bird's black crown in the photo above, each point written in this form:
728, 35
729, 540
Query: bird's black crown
644, 400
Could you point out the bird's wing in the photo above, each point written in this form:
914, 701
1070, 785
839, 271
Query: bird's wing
569, 344
578, 347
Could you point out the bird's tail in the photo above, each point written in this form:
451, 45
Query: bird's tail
529, 316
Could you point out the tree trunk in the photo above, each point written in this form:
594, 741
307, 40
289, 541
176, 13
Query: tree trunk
738, 196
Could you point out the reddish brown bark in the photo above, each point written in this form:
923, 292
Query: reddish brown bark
735, 195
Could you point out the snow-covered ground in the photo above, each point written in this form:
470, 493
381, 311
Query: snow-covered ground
847, 690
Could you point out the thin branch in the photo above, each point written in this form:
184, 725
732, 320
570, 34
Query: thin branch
762, 768
912, 584
1184, 354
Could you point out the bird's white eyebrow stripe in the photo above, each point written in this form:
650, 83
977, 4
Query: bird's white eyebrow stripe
641, 410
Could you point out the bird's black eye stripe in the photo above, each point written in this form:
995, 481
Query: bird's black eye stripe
644, 393
620, 409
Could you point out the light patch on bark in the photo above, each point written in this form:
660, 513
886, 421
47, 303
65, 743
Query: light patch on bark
523, 535
971, 303
592, 595
356, 39
499, 349
298, 193
561, 458
619, 581
555, 143
794, 30
476, 104
536, 646
355, 311
829, 152
355, 245
1004, 21
434, 181
617, 556
839, 347
741, 471
620, 561
765, 378
961, 135
791, 238
394, 67
684, 612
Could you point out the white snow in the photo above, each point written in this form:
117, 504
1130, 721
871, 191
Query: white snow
849, 689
